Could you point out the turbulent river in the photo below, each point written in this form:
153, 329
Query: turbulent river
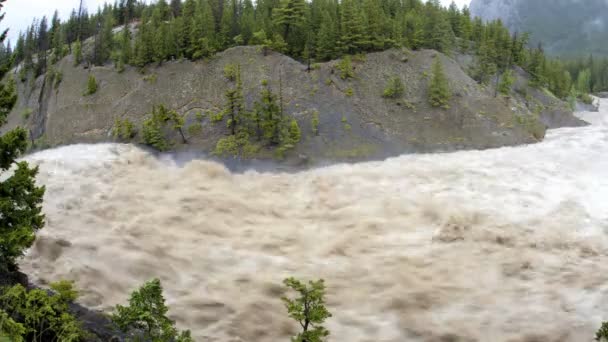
508, 244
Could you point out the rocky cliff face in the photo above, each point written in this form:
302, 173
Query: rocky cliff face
355, 121
566, 27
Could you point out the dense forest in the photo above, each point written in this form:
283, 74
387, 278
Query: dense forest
316, 30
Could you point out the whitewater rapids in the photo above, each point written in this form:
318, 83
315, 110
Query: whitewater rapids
508, 244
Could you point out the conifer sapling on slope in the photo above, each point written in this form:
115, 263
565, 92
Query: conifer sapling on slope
439, 89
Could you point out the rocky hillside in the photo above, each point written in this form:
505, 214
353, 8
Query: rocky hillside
566, 27
355, 121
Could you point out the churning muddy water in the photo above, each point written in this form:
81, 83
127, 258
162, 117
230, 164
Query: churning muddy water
508, 244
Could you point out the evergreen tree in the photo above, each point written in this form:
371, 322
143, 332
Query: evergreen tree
506, 82
288, 16
439, 89
20, 198
126, 49
267, 115
176, 8
43, 45
234, 103
77, 53
326, 39
353, 37
104, 40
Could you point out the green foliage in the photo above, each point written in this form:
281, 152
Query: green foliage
26, 113
152, 78
315, 122
234, 100
506, 82
308, 309
585, 98
54, 76
37, 315
230, 71
8, 98
20, 201
91, 86
439, 89
10, 331
77, 53
602, 334
394, 88
268, 118
145, 319
349, 92
217, 117
195, 129
294, 132
124, 129
152, 129
345, 68
238, 145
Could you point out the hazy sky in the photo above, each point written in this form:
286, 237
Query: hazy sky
19, 13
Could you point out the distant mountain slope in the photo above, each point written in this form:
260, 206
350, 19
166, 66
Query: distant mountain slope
566, 27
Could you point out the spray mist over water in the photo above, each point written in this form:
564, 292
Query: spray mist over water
499, 245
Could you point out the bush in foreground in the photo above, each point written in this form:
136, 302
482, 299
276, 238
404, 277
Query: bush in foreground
145, 318
308, 309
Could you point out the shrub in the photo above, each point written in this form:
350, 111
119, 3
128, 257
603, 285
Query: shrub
124, 129
8, 99
152, 78
295, 134
195, 129
308, 309
58, 79
586, 98
394, 88
346, 69
152, 133
145, 319
230, 71
349, 92
77, 53
315, 122
91, 86
506, 82
27, 112
236, 145
439, 89
38, 315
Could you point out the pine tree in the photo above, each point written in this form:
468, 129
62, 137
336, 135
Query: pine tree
506, 81
77, 53
288, 16
21, 212
267, 115
176, 8
126, 50
439, 89
43, 45
57, 38
234, 103
353, 37
326, 39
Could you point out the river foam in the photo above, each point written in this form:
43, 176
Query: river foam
500, 245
